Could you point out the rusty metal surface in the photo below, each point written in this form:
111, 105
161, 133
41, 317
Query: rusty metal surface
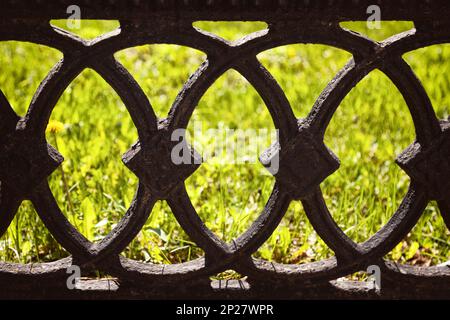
26, 159
268, 10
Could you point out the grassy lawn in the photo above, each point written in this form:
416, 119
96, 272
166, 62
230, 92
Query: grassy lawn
369, 129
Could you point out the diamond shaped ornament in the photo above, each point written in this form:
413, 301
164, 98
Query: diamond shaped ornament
430, 165
25, 162
302, 164
161, 164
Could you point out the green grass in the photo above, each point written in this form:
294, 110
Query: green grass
369, 129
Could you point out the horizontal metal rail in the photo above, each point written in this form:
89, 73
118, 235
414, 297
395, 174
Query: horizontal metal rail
267, 10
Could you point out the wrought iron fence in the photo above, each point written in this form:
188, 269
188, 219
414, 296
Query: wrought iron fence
26, 159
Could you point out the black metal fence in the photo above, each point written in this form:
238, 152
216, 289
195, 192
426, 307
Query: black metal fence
26, 159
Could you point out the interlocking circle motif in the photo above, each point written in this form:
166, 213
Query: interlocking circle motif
26, 159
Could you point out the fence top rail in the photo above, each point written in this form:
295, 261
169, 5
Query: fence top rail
229, 10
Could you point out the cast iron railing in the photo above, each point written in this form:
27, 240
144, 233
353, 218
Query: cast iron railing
26, 160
